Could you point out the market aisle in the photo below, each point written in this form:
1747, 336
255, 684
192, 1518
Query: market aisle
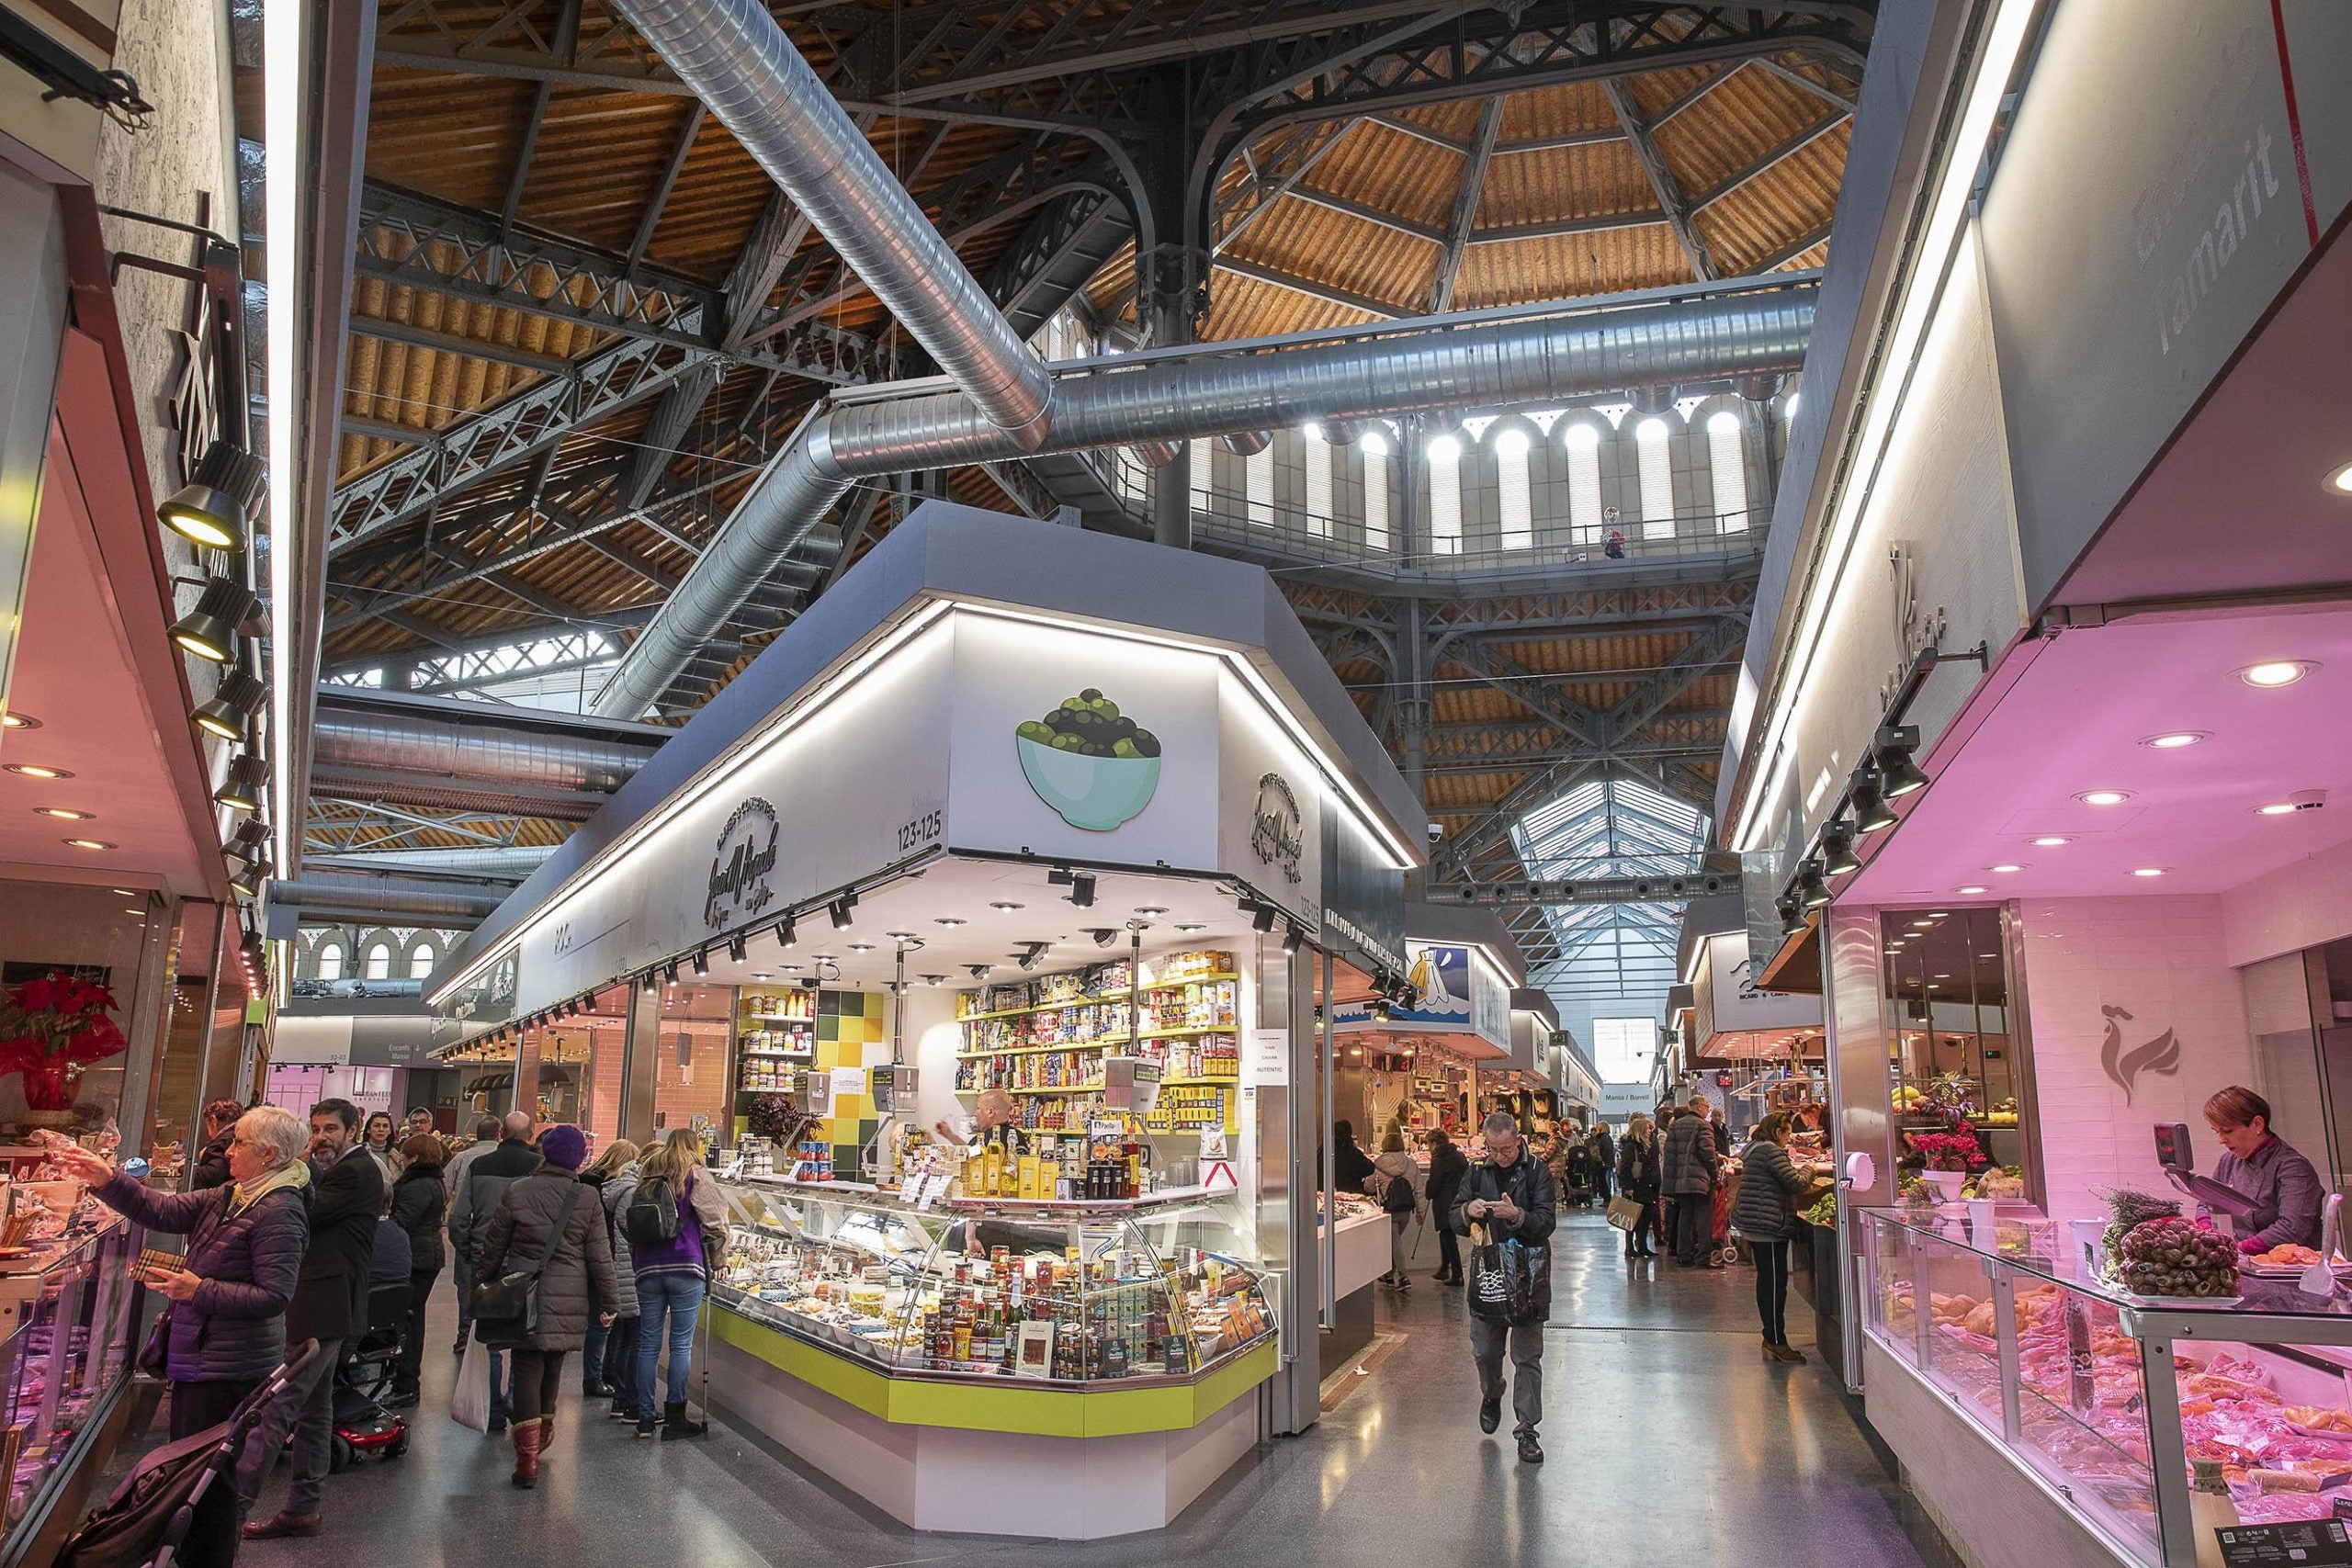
1669, 1440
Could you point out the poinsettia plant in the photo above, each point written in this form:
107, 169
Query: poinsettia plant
1955, 1150
56, 1020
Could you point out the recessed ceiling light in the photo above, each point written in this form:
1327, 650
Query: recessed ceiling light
2104, 796
2276, 671
1004, 906
2148, 871
1190, 926
35, 771
2174, 739
64, 813
18, 721
2051, 841
127, 892
861, 947
2275, 809
950, 921
1150, 911
92, 844
1940, 914
2340, 482
1971, 889
761, 975
2005, 867
1943, 977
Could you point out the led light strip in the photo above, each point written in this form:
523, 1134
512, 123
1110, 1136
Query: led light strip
2005, 38
281, 206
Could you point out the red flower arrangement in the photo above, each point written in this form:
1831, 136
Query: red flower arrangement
1955, 1150
50, 1030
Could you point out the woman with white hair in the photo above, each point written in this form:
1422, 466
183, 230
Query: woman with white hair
244, 1254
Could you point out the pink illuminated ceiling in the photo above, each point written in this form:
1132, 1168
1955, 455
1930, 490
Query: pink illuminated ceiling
2074, 723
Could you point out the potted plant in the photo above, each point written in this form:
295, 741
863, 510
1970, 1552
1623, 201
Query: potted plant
51, 1029
1950, 1157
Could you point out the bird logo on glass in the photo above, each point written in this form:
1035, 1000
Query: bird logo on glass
2160, 1055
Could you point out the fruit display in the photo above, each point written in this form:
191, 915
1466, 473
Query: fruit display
1091, 725
1824, 1212
2003, 1114
2173, 1257
1907, 1099
2000, 1181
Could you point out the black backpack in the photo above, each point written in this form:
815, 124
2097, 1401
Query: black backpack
1396, 1198
650, 1217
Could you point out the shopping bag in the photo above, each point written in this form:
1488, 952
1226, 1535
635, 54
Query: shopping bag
1490, 1278
1624, 1213
470, 1403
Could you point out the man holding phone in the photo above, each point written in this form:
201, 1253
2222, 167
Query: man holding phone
1512, 1193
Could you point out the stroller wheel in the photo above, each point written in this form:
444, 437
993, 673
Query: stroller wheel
339, 1457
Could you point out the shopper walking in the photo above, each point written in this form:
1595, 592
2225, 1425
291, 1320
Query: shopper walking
673, 1272
595, 1382
1401, 1200
1637, 1178
1689, 1177
377, 1142
1604, 1160
212, 1163
1766, 1215
549, 1216
1510, 1193
1448, 1165
330, 1306
453, 1176
419, 1205
477, 1199
619, 1370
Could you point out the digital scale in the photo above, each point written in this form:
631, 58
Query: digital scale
2179, 1163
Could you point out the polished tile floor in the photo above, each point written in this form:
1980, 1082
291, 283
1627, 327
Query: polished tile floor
1669, 1439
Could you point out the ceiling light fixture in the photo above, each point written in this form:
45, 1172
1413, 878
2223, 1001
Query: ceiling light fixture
1973, 889
1813, 888
1262, 916
2275, 672
1189, 927
229, 712
784, 933
1837, 857
1872, 813
861, 947
1005, 907
2005, 868
18, 721
226, 609
2174, 739
1291, 937
37, 771
1150, 911
738, 947
65, 814
950, 921
2149, 869
210, 510
1792, 914
92, 844
2339, 482
2104, 796
2275, 809
2051, 841
1898, 775
838, 909
1081, 889
241, 790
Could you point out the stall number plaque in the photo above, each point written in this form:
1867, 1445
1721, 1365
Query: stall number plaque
2309, 1541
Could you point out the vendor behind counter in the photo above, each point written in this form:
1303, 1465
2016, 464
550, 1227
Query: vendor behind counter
2258, 1165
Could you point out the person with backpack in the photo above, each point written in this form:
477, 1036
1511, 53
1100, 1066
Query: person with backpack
673, 1219
477, 1199
1399, 1199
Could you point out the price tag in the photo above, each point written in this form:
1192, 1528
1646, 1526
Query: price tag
2308, 1542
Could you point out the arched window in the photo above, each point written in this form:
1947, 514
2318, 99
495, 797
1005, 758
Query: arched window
1445, 495
1653, 449
1258, 486
1583, 442
1197, 460
1518, 503
1374, 448
420, 962
331, 961
1316, 453
379, 962
1730, 467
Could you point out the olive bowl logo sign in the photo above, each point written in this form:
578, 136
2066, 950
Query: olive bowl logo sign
1277, 833
742, 865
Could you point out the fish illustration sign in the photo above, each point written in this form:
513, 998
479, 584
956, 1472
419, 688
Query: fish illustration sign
1449, 998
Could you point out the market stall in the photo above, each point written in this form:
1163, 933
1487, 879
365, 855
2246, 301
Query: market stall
1021, 864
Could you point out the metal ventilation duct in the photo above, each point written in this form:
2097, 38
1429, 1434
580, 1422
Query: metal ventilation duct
481, 864
1248, 443
1418, 368
734, 55
458, 756
323, 893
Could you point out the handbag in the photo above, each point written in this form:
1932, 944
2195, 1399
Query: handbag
1623, 1212
1492, 1278
155, 1353
507, 1311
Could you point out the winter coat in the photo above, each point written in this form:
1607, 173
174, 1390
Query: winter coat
331, 1301
233, 1329
701, 1212
418, 1203
577, 1281
615, 1193
476, 1197
1604, 1149
212, 1165
1769, 1184
1448, 1165
1638, 1169
1350, 1169
1689, 1158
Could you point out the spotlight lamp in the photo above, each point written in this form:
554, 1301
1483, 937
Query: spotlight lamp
1031, 954
1262, 916
1837, 857
212, 508
738, 948
1291, 937
839, 910
1898, 775
1872, 813
647, 981
248, 776
669, 972
1792, 914
1380, 1010
701, 962
785, 934
1081, 889
229, 712
225, 610
1813, 888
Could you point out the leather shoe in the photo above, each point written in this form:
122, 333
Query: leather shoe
1490, 1414
1529, 1453
281, 1525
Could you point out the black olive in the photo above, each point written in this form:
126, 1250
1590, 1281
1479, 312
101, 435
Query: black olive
1090, 695
1145, 743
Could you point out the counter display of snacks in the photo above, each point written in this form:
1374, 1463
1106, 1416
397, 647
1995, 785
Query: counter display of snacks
2107, 1398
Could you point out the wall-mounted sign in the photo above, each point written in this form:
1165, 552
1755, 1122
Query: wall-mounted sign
1095, 766
2123, 1065
742, 865
1277, 833
1453, 995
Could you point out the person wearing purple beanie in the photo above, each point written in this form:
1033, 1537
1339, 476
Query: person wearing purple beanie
576, 1284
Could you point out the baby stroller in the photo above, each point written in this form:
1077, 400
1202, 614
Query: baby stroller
177, 1508
364, 1429
1577, 1190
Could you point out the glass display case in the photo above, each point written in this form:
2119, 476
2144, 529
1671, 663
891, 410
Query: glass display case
2111, 1398
66, 1314
1070, 1294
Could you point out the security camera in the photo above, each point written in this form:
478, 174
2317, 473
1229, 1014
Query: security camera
1437, 831
981, 971
1104, 936
810, 984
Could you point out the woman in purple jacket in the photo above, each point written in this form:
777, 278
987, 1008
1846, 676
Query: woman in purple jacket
244, 1254
672, 1276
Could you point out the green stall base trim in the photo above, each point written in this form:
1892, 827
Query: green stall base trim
1009, 1406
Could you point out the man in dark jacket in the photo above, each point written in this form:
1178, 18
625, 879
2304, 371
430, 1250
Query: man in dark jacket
1604, 1160
470, 1210
1512, 1193
330, 1306
1691, 1182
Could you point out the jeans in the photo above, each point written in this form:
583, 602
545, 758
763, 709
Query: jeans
620, 1361
305, 1406
1694, 1227
1526, 1343
592, 1355
1772, 1288
676, 1299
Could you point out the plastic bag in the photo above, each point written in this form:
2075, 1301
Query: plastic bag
470, 1401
